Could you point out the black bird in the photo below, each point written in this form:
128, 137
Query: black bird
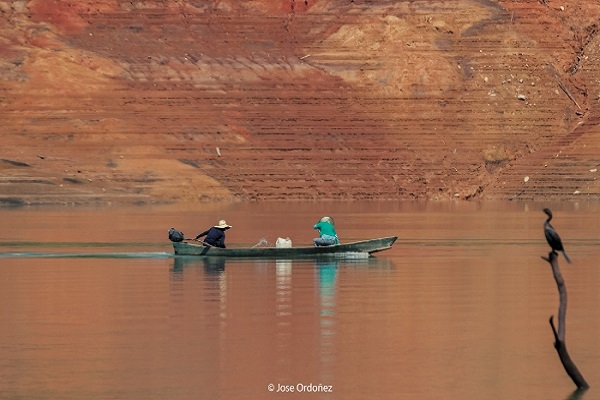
552, 236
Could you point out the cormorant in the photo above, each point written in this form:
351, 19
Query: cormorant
552, 236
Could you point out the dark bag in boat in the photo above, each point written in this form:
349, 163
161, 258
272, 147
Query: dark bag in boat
175, 235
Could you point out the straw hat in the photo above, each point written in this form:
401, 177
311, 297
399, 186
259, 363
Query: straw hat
222, 225
328, 220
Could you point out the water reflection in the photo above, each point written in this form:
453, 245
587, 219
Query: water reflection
214, 277
283, 288
282, 272
294, 306
326, 272
212, 265
326, 269
577, 394
326, 276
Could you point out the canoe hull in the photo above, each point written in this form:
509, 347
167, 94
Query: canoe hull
346, 250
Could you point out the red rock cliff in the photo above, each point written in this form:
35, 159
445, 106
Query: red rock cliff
168, 101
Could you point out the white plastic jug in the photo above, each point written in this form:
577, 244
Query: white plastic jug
281, 242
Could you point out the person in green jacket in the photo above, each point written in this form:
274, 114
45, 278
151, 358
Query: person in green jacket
327, 233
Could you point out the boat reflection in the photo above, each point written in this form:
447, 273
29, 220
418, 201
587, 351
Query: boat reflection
326, 274
324, 268
287, 291
211, 265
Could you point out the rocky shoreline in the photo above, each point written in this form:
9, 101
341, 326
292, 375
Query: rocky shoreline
153, 102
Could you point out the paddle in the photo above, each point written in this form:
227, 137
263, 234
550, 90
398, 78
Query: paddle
202, 242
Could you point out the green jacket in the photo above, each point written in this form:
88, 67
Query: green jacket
325, 228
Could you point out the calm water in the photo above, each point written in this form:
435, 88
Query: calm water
94, 306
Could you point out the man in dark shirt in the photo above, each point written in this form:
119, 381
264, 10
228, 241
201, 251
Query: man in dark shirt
215, 236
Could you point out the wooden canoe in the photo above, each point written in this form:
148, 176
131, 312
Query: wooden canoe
361, 248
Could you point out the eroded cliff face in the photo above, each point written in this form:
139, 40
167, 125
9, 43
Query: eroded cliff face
183, 101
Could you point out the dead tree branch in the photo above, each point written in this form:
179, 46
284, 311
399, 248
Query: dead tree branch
559, 334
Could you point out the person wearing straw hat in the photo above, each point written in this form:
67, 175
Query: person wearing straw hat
215, 235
